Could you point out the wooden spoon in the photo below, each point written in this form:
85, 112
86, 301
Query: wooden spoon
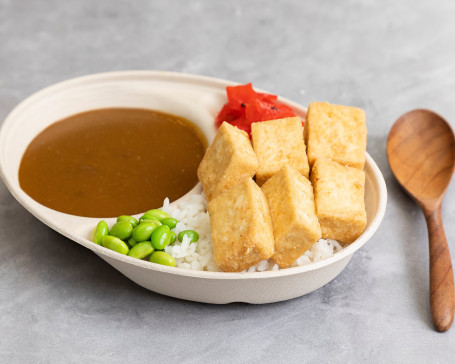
421, 152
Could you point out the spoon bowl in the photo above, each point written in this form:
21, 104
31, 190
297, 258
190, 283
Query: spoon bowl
421, 153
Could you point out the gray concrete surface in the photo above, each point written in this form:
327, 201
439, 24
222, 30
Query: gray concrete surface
61, 303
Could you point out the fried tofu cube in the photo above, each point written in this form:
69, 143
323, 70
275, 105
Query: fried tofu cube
277, 143
339, 195
229, 159
295, 224
241, 227
336, 132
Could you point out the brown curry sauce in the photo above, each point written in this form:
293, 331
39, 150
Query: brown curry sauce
111, 162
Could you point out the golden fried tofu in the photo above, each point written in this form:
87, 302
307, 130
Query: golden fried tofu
336, 132
339, 195
277, 143
229, 159
241, 227
295, 224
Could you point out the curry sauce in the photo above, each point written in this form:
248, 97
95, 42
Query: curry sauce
111, 162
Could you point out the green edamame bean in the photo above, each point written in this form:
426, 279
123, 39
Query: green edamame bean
102, 229
193, 235
122, 230
141, 250
144, 230
153, 220
114, 243
173, 237
132, 242
155, 213
147, 218
128, 218
162, 258
161, 237
170, 221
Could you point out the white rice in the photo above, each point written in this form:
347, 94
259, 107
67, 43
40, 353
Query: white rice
192, 214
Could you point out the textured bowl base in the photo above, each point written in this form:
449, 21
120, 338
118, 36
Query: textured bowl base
222, 291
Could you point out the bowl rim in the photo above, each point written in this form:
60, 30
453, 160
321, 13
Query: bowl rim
200, 80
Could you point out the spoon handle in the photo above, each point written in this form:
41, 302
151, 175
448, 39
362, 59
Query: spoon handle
442, 297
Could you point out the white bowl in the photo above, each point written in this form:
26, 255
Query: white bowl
198, 99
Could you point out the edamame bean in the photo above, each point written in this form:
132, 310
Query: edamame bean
155, 213
128, 218
161, 237
141, 250
173, 237
122, 230
102, 229
162, 258
193, 235
170, 221
131, 241
153, 220
114, 243
147, 218
144, 230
